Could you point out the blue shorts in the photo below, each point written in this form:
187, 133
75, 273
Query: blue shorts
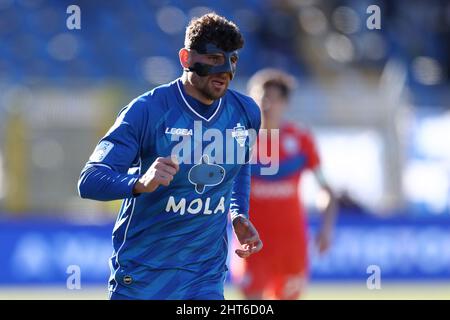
212, 296
140, 283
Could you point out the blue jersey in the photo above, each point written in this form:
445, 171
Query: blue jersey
172, 243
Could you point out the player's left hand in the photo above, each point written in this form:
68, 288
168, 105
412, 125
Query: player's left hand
248, 237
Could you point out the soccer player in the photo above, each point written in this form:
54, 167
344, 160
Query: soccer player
280, 271
170, 239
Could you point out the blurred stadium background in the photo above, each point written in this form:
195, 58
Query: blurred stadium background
378, 102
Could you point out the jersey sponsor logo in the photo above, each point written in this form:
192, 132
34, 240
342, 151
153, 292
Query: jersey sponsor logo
280, 190
195, 206
205, 174
101, 151
178, 131
240, 134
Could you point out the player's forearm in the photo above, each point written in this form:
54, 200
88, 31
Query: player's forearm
329, 206
330, 211
241, 193
104, 184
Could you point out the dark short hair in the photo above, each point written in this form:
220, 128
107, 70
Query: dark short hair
270, 77
212, 28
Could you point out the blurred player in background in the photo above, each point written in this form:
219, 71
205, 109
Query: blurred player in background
170, 238
280, 271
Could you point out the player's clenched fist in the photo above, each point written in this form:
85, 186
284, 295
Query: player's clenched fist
161, 172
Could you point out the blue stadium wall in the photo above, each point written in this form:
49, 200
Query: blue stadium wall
404, 248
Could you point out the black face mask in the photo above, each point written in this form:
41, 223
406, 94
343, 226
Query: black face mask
203, 69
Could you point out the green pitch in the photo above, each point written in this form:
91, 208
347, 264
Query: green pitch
316, 291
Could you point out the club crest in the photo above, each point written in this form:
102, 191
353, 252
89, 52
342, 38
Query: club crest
240, 134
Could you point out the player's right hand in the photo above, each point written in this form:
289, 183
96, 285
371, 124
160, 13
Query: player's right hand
161, 172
